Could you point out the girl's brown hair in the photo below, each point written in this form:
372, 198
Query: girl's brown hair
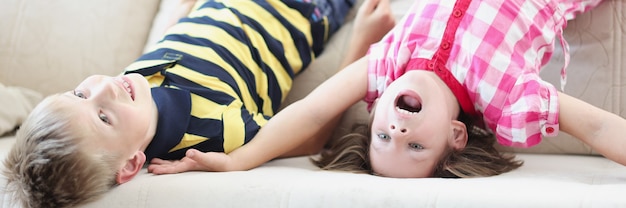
478, 158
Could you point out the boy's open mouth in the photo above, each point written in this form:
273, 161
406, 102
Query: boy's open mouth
408, 104
127, 83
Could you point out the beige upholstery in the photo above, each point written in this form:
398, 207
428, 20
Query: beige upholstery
50, 46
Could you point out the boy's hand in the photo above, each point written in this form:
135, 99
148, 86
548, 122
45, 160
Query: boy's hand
193, 161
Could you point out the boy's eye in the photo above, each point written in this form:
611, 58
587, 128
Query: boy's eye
415, 146
80, 94
383, 136
104, 118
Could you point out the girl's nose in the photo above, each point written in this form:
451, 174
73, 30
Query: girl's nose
398, 129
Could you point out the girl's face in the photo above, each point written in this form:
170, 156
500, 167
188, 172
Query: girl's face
414, 125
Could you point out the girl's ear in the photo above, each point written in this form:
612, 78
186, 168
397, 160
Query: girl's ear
458, 139
131, 168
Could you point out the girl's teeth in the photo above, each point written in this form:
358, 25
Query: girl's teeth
405, 111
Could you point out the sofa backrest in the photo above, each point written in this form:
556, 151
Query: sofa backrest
50, 46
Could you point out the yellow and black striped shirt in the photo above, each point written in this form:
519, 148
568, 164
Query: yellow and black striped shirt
222, 72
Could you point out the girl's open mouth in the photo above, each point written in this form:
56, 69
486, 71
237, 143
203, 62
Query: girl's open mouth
408, 103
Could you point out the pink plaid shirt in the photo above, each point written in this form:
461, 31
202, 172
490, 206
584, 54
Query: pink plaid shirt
489, 52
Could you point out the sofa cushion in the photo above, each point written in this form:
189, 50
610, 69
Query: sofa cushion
39, 40
15, 105
543, 181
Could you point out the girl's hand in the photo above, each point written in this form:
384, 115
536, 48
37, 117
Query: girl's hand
373, 21
193, 161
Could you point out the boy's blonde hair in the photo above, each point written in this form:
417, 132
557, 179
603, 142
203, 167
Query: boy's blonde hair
48, 165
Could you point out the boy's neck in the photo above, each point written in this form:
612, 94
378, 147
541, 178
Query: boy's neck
153, 127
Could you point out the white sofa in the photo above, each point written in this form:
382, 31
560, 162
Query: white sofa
50, 46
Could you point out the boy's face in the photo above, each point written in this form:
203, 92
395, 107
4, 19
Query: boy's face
411, 129
118, 110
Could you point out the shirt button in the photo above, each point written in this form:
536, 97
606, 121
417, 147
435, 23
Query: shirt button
431, 65
550, 130
457, 13
445, 45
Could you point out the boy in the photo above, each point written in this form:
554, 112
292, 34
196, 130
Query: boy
216, 77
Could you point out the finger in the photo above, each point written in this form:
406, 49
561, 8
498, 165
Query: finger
152, 166
368, 6
183, 165
383, 7
199, 157
159, 161
384, 13
383, 4
154, 163
208, 161
169, 169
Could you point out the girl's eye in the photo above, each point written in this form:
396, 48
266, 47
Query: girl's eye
80, 94
383, 136
415, 146
104, 118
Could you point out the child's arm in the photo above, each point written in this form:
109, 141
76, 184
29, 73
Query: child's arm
374, 19
286, 130
600, 129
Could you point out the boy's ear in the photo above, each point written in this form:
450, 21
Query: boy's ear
459, 135
131, 168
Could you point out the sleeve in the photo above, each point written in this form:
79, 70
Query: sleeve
530, 112
236, 119
574, 7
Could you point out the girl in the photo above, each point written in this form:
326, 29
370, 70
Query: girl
446, 60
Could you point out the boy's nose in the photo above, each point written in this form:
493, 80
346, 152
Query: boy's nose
106, 90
